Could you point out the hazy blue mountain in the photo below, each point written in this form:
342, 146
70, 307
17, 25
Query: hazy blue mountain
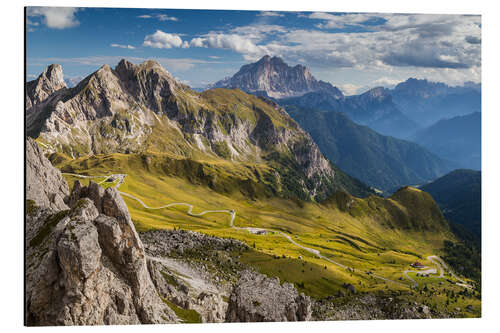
458, 194
381, 161
427, 102
457, 139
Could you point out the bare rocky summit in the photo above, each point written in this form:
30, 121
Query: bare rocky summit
272, 77
50, 81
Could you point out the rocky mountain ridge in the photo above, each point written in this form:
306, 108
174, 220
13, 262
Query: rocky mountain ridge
136, 108
427, 102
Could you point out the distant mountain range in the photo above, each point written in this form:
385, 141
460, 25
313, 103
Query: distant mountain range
383, 162
398, 112
457, 139
373, 108
428, 102
380, 161
458, 194
272, 77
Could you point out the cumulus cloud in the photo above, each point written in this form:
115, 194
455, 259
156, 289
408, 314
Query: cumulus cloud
233, 42
244, 40
387, 41
350, 89
386, 81
130, 47
271, 14
54, 17
164, 17
161, 17
338, 21
163, 40
473, 40
444, 46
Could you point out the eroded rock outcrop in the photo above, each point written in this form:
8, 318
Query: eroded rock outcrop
86, 265
193, 270
44, 183
258, 298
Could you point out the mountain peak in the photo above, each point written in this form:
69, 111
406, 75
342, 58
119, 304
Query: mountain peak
54, 74
273, 77
378, 92
50, 81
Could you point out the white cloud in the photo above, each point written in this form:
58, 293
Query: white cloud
163, 40
386, 81
226, 41
161, 17
164, 17
446, 46
339, 21
350, 89
130, 47
32, 23
54, 17
271, 14
243, 39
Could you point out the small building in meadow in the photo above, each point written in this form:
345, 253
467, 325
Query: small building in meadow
417, 264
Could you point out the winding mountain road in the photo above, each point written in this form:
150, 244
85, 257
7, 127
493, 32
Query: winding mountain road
434, 259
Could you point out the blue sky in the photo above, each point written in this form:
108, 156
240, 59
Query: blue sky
353, 51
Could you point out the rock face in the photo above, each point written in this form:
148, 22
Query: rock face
85, 265
271, 76
50, 81
135, 108
189, 284
258, 298
44, 183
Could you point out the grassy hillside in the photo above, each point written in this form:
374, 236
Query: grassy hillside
377, 235
459, 196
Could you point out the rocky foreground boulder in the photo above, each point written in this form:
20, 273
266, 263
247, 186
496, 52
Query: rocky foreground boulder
85, 265
256, 298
